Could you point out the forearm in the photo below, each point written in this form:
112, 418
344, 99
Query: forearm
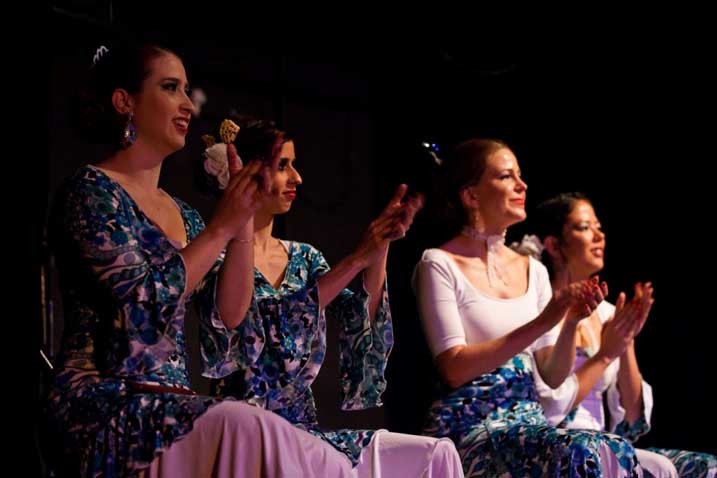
201, 254
629, 382
558, 364
334, 281
374, 278
461, 364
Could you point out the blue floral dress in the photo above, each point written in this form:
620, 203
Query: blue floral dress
123, 285
498, 426
272, 358
689, 464
602, 409
496, 420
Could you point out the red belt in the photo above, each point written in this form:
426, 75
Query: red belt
150, 388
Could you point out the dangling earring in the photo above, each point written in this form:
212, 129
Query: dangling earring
129, 135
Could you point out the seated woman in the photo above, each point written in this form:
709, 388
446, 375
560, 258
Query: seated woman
574, 249
488, 314
272, 358
131, 259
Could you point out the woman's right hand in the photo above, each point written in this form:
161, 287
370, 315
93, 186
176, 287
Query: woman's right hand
578, 300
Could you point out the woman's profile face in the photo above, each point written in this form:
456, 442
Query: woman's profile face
583, 242
501, 192
286, 179
162, 108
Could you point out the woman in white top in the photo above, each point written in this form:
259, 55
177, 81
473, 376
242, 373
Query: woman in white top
488, 313
574, 250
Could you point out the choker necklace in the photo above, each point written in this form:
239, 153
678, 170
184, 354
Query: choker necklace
493, 244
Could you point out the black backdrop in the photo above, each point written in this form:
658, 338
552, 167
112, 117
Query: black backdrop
617, 118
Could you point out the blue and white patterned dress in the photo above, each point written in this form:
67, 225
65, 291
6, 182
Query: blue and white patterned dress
496, 419
605, 395
123, 285
272, 358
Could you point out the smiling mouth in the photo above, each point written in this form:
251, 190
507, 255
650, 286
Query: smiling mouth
181, 123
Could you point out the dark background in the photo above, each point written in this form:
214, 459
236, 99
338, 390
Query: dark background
623, 114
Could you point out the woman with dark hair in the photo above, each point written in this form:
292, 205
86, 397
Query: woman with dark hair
131, 259
573, 248
272, 358
488, 314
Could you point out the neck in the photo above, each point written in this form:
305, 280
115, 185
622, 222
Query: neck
491, 244
487, 224
138, 166
475, 243
557, 282
483, 233
480, 224
263, 225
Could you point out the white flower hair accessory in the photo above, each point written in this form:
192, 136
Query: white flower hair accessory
216, 160
216, 163
529, 245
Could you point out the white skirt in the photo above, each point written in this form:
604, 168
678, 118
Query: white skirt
233, 439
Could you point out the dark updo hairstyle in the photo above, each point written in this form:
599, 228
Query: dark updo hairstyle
549, 220
257, 139
92, 113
